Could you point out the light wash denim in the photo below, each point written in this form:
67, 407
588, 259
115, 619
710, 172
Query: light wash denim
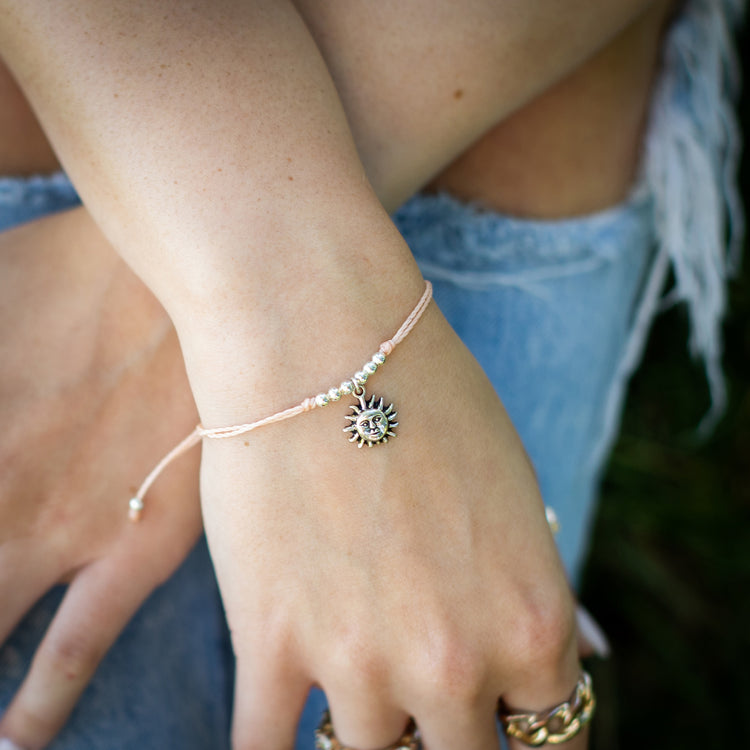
546, 307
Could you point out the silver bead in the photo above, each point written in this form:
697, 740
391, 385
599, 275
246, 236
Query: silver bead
321, 399
378, 358
334, 394
346, 387
370, 368
360, 378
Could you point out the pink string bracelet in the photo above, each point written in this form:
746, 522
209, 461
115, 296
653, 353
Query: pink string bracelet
371, 423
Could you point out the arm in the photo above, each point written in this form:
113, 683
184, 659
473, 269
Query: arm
398, 74
199, 118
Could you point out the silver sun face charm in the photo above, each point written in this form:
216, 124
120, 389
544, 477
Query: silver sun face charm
371, 422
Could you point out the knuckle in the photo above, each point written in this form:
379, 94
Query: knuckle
453, 670
358, 663
74, 657
544, 632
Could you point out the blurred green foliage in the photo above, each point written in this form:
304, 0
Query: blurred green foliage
669, 572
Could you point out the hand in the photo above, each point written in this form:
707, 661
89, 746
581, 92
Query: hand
92, 393
417, 578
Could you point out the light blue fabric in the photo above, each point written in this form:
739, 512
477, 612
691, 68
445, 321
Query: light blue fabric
546, 307
31, 198
691, 157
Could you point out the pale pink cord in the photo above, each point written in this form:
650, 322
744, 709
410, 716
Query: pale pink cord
136, 502
410, 322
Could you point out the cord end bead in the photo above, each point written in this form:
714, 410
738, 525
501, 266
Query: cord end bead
136, 507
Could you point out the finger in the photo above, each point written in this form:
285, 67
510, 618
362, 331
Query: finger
546, 668
98, 604
548, 671
363, 720
358, 680
269, 697
542, 688
543, 704
453, 727
24, 578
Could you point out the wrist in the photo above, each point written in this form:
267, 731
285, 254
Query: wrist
277, 346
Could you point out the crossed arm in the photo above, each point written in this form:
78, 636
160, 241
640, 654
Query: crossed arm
211, 146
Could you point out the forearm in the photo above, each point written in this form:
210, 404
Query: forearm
417, 87
422, 82
198, 136
224, 167
211, 147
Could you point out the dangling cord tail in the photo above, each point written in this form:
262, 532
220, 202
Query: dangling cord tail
310, 403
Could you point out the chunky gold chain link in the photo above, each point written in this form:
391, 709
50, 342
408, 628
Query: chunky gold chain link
325, 738
555, 725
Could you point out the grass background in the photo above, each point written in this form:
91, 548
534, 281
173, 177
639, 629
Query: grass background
669, 572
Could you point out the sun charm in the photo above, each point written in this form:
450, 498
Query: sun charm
371, 423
